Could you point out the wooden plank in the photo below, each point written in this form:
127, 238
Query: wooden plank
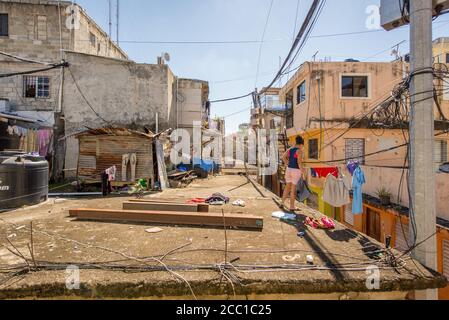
162, 170
202, 207
154, 206
155, 201
170, 218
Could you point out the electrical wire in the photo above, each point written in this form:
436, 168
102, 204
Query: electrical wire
299, 41
85, 99
262, 41
13, 74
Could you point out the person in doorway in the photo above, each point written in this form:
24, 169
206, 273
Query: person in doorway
293, 160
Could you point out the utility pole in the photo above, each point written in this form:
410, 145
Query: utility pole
422, 174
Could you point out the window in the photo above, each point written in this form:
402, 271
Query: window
4, 25
447, 57
289, 110
301, 93
313, 149
440, 152
354, 86
92, 39
355, 150
36, 87
42, 27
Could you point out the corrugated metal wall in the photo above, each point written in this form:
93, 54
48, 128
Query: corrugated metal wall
98, 153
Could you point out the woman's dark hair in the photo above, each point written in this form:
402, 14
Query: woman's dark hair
299, 140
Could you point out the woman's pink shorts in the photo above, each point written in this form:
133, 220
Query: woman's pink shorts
293, 176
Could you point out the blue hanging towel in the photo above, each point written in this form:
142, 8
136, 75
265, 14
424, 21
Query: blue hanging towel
358, 180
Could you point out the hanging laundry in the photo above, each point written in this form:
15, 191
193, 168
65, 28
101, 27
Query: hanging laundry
324, 172
44, 137
303, 191
358, 180
336, 191
111, 172
352, 165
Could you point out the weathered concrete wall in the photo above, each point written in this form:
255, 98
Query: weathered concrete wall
34, 30
192, 96
123, 93
35, 33
12, 88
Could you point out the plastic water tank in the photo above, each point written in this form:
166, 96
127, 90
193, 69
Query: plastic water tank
23, 180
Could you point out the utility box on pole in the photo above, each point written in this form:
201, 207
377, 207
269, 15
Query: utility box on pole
396, 13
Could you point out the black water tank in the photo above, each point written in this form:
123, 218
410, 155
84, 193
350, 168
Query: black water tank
23, 180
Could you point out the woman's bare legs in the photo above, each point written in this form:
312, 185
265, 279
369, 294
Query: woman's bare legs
292, 196
286, 193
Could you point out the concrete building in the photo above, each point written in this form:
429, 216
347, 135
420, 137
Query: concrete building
39, 31
122, 93
100, 87
331, 105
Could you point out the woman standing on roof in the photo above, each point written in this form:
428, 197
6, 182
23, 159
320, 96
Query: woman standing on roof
293, 160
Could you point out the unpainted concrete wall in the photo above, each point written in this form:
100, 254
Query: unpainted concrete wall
123, 93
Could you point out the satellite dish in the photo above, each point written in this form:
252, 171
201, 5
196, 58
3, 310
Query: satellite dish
166, 57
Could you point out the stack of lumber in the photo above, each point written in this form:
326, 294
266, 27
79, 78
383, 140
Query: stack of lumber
168, 212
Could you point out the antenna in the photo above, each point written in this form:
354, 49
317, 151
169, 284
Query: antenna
110, 18
118, 21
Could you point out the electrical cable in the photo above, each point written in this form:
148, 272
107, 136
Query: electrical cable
262, 41
300, 37
7, 75
85, 99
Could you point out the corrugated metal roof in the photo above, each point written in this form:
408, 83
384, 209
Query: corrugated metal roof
113, 132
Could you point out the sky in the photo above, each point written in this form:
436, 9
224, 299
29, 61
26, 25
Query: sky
231, 68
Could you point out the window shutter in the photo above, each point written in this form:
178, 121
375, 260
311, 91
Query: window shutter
446, 258
349, 217
402, 235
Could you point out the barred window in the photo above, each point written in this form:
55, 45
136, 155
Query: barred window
36, 87
355, 150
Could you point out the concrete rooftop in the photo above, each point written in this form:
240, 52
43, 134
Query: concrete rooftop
98, 246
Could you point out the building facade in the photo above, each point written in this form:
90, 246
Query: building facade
98, 87
331, 105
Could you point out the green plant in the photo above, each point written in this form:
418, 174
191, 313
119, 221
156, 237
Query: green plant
383, 193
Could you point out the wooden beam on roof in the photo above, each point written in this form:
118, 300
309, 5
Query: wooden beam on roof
155, 206
202, 207
171, 218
